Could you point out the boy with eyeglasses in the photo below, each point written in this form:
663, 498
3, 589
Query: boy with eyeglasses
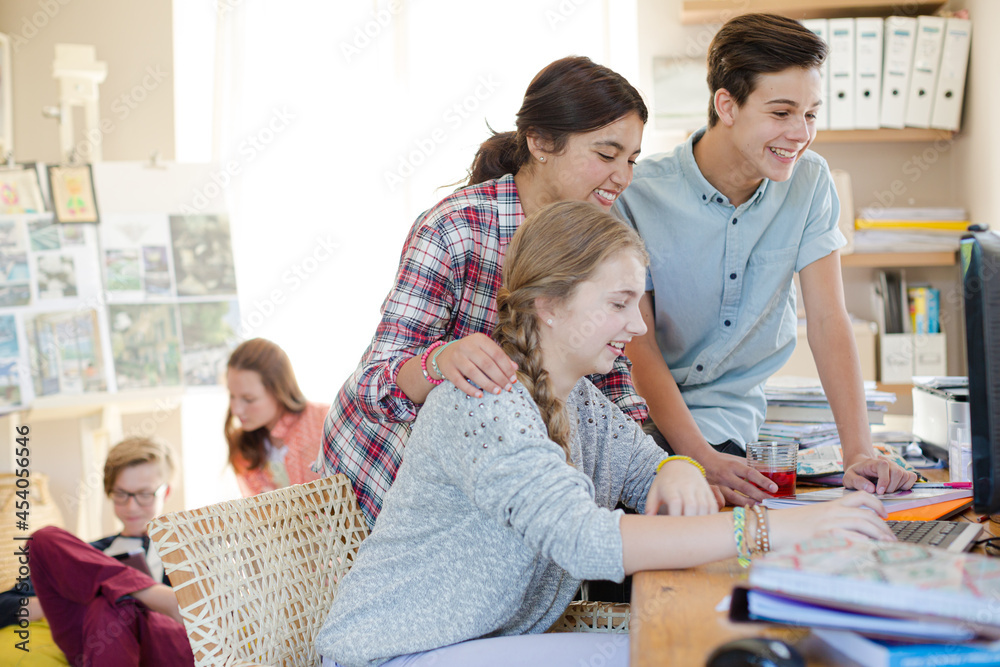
100, 610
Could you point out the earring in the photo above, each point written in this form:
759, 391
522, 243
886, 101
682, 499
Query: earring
541, 158
549, 321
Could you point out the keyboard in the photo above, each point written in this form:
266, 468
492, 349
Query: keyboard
954, 536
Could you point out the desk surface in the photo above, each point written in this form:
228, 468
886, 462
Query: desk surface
674, 621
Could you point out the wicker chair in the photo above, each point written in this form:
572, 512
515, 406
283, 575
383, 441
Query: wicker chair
255, 577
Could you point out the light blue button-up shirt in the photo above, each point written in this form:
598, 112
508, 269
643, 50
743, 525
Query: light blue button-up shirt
721, 277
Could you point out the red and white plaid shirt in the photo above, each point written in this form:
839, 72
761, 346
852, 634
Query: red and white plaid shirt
446, 287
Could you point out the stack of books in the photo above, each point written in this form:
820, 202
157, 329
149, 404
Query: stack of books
909, 229
792, 400
921, 595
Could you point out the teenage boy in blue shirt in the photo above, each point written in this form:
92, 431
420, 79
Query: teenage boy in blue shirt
728, 218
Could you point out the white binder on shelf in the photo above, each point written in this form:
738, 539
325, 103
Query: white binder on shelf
950, 90
842, 74
926, 60
868, 72
900, 35
821, 28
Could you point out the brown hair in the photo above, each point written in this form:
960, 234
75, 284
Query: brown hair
553, 251
246, 449
754, 44
568, 96
135, 451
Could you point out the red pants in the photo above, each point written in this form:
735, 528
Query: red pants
83, 594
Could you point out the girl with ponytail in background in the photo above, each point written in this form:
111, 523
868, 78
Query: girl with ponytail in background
273, 432
505, 502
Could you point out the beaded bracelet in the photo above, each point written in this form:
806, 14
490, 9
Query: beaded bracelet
434, 359
762, 538
739, 524
423, 362
682, 458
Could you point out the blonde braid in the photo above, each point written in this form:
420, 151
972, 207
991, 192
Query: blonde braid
517, 335
554, 250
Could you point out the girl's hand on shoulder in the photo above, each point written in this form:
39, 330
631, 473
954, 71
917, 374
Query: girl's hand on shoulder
857, 513
679, 489
479, 359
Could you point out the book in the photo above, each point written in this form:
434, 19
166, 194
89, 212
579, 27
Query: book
755, 605
884, 653
891, 579
932, 512
893, 502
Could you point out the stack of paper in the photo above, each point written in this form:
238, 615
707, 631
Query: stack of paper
909, 229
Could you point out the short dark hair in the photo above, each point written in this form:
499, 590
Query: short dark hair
754, 44
568, 96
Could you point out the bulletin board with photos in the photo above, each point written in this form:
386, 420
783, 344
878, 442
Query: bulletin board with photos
136, 300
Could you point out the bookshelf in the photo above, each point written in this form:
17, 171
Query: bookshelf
720, 11
882, 135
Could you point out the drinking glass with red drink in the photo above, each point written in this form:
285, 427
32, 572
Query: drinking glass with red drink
777, 461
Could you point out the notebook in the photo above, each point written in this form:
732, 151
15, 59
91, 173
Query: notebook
883, 653
893, 579
894, 502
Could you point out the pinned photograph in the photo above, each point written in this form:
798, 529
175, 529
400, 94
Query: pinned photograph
65, 351
121, 270
44, 234
73, 198
208, 331
203, 255
145, 345
72, 234
56, 276
15, 287
20, 192
10, 376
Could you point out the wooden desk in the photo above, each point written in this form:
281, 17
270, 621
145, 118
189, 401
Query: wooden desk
674, 621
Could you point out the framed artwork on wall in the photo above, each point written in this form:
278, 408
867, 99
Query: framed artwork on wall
20, 192
72, 189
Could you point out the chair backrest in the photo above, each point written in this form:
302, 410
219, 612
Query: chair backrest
255, 577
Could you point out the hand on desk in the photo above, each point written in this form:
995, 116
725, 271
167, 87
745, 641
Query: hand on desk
875, 474
739, 483
850, 515
680, 490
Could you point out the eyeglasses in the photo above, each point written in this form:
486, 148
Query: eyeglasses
144, 498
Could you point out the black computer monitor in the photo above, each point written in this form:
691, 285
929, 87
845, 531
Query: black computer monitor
980, 255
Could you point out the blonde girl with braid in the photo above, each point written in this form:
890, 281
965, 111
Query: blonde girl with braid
505, 503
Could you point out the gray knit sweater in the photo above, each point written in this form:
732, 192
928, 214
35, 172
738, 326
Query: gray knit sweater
487, 531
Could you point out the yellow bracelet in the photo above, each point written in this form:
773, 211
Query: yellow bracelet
682, 458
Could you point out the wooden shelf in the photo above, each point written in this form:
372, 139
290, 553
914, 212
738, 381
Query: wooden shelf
899, 259
882, 135
720, 11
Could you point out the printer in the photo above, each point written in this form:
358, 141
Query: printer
941, 413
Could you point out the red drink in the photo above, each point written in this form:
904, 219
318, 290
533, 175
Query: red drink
785, 479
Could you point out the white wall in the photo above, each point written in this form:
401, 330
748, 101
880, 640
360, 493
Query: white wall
133, 38
977, 147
